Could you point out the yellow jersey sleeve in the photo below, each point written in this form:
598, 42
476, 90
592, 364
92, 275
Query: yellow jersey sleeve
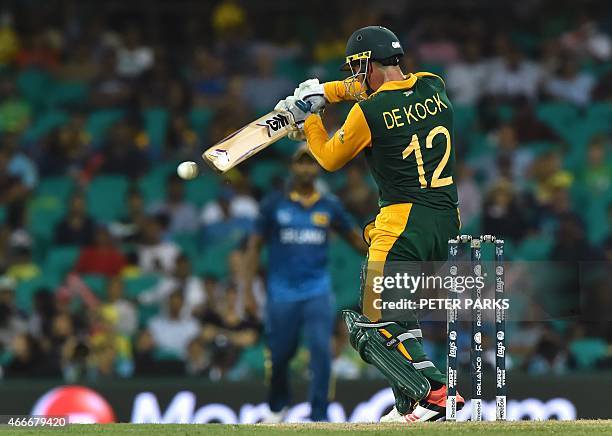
333, 153
336, 91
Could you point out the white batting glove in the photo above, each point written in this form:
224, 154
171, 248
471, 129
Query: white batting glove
312, 91
297, 109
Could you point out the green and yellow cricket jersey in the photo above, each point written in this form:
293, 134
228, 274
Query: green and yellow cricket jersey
406, 130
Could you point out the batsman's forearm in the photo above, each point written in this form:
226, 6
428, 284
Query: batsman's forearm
333, 153
321, 147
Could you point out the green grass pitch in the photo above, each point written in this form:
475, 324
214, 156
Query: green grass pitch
573, 428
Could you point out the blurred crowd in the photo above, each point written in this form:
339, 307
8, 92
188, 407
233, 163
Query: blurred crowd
89, 90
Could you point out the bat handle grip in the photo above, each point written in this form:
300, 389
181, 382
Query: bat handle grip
304, 106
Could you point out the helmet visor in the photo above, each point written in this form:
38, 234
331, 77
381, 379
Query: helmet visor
355, 84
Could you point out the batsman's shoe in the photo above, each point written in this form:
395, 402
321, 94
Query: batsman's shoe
392, 416
432, 408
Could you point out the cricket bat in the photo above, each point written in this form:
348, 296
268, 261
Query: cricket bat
247, 141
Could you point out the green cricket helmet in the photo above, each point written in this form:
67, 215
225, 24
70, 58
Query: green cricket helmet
371, 43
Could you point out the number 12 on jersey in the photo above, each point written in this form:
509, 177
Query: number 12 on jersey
415, 147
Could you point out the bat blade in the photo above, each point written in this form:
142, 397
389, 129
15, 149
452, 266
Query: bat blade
247, 141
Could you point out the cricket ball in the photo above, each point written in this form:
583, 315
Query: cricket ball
187, 170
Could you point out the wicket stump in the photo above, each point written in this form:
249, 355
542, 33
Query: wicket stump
476, 364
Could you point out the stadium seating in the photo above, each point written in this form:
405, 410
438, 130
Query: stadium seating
132, 287
265, 171
561, 117
59, 261
33, 84
59, 187
153, 184
46, 209
96, 283
195, 72
106, 197
188, 242
345, 266
587, 351
26, 290
200, 120
45, 123
202, 189
100, 121
66, 94
465, 117
213, 260
155, 125
291, 69
534, 248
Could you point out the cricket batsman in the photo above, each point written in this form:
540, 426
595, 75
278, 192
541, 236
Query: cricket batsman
403, 123
295, 226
